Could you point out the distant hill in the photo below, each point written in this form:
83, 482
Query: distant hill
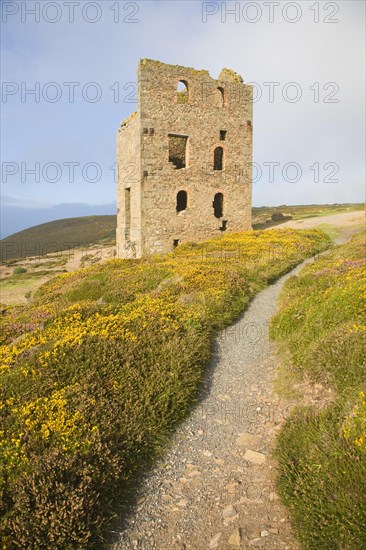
77, 232
58, 235
17, 215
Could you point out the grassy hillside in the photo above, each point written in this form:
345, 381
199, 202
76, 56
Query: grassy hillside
58, 235
262, 213
78, 232
100, 368
321, 329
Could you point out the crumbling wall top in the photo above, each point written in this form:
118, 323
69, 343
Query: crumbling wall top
147, 63
127, 121
226, 75
230, 76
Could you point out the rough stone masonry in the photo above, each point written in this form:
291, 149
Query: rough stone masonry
184, 159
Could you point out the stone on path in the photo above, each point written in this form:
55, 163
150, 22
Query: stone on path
229, 512
214, 541
207, 453
230, 515
254, 457
246, 440
235, 538
194, 473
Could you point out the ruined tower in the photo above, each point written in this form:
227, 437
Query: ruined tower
184, 159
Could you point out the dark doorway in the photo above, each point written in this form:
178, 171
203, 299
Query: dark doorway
181, 201
127, 213
218, 158
218, 205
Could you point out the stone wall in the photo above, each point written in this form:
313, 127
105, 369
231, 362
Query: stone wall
128, 234
213, 105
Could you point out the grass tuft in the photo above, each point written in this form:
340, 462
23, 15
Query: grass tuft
320, 329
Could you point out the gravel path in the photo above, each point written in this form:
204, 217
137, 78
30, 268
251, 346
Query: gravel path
214, 488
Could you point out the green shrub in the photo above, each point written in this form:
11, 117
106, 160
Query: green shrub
19, 270
322, 480
320, 328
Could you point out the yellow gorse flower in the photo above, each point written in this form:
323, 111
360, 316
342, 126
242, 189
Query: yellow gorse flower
202, 276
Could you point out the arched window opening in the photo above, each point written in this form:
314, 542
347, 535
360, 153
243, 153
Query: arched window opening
181, 201
182, 92
218, 205
220, 96
218, 158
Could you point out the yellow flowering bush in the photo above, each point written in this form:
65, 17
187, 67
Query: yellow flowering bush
100, 367
41, 422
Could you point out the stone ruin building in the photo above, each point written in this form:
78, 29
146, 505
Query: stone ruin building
184, 159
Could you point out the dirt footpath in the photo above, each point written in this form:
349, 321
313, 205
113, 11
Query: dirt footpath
214, 488
346, 219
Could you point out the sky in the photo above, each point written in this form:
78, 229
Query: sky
305, 60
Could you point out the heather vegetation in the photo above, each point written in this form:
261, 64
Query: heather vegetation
102, 365
320, 328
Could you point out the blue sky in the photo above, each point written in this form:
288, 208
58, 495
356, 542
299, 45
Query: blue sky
322, 132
